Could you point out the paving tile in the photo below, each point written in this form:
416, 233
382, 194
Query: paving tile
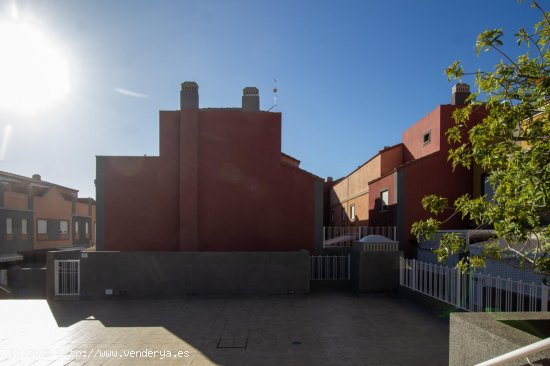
316, 329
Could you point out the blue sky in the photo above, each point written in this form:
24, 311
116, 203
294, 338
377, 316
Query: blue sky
351, 75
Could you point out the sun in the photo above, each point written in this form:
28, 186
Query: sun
33, 72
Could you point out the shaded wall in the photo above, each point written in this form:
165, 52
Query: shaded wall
138, 203
218, 185
169, 274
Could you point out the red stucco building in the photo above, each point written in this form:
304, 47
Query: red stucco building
394, 196
220, 183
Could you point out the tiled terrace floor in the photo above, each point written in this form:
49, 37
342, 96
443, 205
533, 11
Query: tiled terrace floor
315, 329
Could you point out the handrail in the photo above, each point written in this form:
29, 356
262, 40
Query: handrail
518, 353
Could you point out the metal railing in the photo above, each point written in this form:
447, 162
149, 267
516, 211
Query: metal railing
472, 291
330, 267
381, 247
518, 353
67, 277
345, 236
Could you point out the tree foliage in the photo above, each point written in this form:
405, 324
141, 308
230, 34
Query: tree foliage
511, 144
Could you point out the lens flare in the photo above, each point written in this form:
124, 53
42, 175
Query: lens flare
33, 72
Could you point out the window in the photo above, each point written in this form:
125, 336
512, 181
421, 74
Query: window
486, 188
352, 212
9, 225
343, 214
76, 234
9, 228
63, 229
86, 230
384, 200
42, 230
427, 137
332, 217
42, 227
24, 229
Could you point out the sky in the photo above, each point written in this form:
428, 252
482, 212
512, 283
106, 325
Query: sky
351, 75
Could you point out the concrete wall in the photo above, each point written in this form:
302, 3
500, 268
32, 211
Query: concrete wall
375, 271
172, 274
27, 283
478, 337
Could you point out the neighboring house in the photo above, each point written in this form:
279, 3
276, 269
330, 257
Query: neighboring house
220, 183
388, 189
36, 216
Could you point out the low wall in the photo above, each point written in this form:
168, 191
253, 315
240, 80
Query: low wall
478, 337
169, 274
27, 283
375, 271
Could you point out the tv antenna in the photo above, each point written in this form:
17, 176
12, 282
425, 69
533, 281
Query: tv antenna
274, 95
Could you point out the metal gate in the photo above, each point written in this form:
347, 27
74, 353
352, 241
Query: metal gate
330, 267
67, 277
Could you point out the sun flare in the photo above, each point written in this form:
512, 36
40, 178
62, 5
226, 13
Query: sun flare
33, 72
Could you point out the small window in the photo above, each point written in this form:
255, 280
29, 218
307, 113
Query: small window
86, 230
352, 212
24, 227
427, 137
76, 234
384, 200
63, 229
9, 226
343, 214
486, 188
42, 227
42, 230
332, 217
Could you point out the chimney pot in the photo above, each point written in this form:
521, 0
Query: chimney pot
251, 99
189, 95
461, 92
36, 177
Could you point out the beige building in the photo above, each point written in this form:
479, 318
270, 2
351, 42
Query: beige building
349, 196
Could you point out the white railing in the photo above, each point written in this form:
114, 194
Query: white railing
345, 236
472, 291
67, 277
518, 353
380, 247
330, 267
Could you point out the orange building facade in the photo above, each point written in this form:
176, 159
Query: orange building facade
36, 216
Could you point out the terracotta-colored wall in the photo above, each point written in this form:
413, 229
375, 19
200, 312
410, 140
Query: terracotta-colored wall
218, 185
82, 209
359, 180
52, 205
390, 159
361, 210
353, 189
339, 193
15, 200
140, 204
376, 217
414, 147
248, 199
